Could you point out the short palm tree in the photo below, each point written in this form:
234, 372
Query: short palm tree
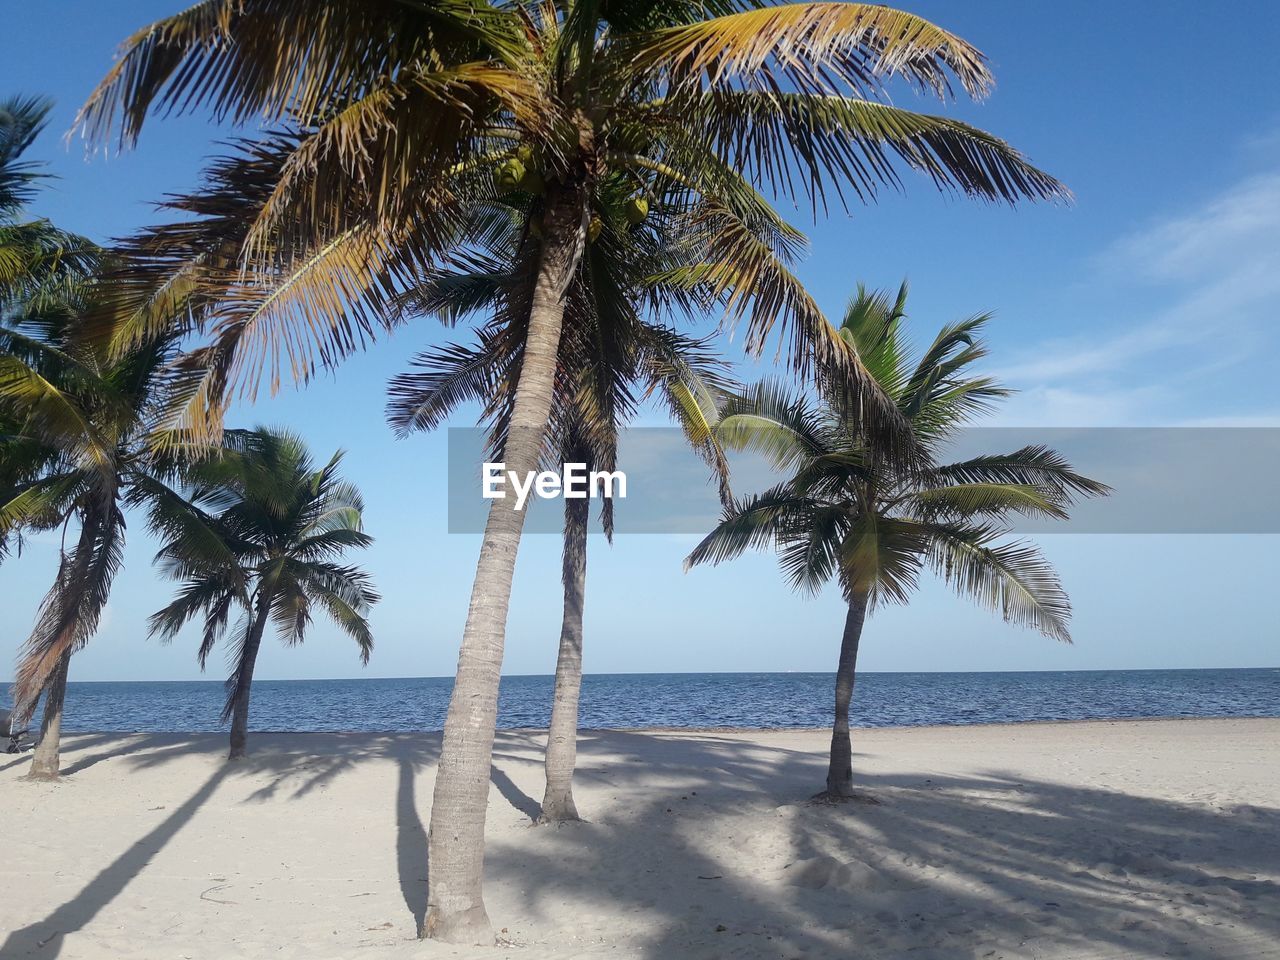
390, 120
262, 530
848, 515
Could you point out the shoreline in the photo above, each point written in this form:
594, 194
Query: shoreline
853, 727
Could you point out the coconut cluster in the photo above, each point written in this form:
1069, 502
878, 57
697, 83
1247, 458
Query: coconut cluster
520, 172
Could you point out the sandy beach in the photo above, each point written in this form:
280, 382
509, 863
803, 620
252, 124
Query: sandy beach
1047, 841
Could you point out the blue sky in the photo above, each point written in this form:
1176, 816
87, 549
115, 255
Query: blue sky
1151, 300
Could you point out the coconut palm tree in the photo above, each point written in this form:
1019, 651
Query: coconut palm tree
70, 422
611, 358
83, 449
261, 531
847, 514
390, 120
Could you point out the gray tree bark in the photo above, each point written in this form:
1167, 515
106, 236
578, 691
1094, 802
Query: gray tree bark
562, 735
840, 769
244, 681
455, 839
46, 761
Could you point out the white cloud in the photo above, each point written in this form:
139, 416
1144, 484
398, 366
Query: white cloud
1235, 231
1048, 406
1213, 275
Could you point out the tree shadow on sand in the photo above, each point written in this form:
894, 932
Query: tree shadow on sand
704, 846
290, 768
48, 935
946, 866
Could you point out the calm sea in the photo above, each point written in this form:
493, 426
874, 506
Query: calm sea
693, 700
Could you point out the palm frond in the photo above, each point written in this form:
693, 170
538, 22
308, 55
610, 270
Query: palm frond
750, 523
1011, 578
21, 120
70, 612
278, 59
444, 379
810, 142
755, 284
997, 500
809, 46
774, 420
1035, 465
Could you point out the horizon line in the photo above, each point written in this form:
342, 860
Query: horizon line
690, 673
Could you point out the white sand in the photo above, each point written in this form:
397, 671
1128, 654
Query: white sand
1091, 840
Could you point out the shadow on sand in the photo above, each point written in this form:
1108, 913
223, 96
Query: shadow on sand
728, 859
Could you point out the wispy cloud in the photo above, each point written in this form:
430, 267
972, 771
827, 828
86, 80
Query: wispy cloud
1212, 276
1231, 233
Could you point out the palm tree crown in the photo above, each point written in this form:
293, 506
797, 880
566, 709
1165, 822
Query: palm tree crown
393, 122
618, 346
262, 530
872, 524
848, 515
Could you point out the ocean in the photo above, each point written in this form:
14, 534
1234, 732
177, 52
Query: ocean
755, 700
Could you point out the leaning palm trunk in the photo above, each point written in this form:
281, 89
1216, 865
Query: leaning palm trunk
243, 683
562, 735
67, 606
840, 770
455, 839
47, 759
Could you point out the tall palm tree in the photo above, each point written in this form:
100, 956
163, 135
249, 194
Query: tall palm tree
610, 358
392, 116
847, 514
83, 449
70, 421
262, 531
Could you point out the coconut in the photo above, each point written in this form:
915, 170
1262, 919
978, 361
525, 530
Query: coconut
636, 210
509, 175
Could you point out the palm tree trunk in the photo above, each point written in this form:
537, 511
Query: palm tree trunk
840, 770
455, 839
68, 594
46, 761
244, 681
562, 735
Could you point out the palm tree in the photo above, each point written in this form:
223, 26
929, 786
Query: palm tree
261, 531
849, 515
70, 418
610, 359
83, 448
41, 269
390, 118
